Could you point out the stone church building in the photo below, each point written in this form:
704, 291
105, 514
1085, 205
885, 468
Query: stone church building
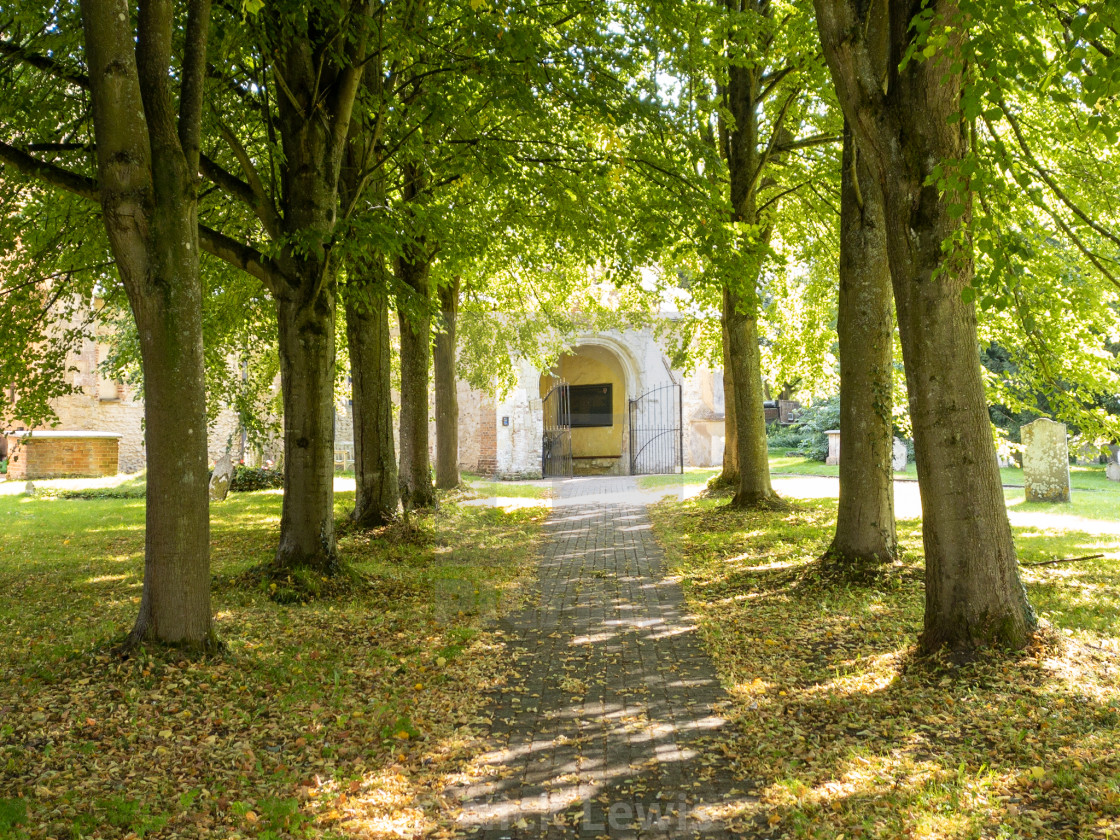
612, 405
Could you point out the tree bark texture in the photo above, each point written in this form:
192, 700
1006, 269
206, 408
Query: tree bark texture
865, 526
375, 462
903, 120
313, 118
307, 357
415, 317
729, 475
741, 321
147, 162
446, 398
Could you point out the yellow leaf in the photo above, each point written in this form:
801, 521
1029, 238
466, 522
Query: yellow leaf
1036, 772
402, 735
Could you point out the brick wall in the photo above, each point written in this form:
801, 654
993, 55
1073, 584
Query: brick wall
61, 457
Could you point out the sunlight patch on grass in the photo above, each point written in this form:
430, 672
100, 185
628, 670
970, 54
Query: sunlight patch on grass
319, 719
848, 734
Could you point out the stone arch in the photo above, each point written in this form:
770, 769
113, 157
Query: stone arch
599, 449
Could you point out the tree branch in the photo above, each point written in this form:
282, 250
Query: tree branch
242, 256
805, 143
261, 203
50, 173
45, 63
1050, 182
194, 81
775, 199
225, 180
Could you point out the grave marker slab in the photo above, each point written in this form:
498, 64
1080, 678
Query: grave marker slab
899, 456
1046, 461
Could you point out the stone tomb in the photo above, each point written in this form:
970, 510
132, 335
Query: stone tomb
833, 447
1046, 461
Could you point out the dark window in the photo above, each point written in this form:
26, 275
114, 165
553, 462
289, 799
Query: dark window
591, 405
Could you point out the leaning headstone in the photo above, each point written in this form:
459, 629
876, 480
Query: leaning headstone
899, 456
222, 476
1112, 471
833, 447
1045, 461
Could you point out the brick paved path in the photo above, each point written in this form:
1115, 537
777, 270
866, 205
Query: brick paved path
612, 728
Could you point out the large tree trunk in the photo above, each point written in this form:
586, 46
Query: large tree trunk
415, 319
974, 596
313, 119
865, 527
447, 402
375, 463
729, 475
148, 189
307, 355
741, 322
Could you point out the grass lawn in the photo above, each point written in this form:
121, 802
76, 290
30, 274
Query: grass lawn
480, 488
340, 717
847, 734
1081, 477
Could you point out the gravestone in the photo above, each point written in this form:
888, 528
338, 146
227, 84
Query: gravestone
833, 447
220, 479
899, 456
1045, 461
1112, 471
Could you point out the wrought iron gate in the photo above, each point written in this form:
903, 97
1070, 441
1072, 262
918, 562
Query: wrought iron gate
556, 444
656, 431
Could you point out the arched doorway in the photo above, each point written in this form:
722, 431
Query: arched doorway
596, 400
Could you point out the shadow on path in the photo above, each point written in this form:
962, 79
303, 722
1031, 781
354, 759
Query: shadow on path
612, 726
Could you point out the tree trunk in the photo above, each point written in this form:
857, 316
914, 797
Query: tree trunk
306, 340
974, 596
147, 169
313, 122
415, 321
447, 402
375, 464
729, 476
865, 527
754, 488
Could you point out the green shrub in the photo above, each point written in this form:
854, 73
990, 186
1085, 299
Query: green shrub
124, 491
246, 479
811, 425
782, 437
3, 466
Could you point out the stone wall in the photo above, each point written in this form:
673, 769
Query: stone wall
703, 403
58, 455
105, 405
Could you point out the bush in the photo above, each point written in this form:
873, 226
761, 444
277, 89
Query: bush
782, 437
3, 466
124, 491
246, 479
808, 433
